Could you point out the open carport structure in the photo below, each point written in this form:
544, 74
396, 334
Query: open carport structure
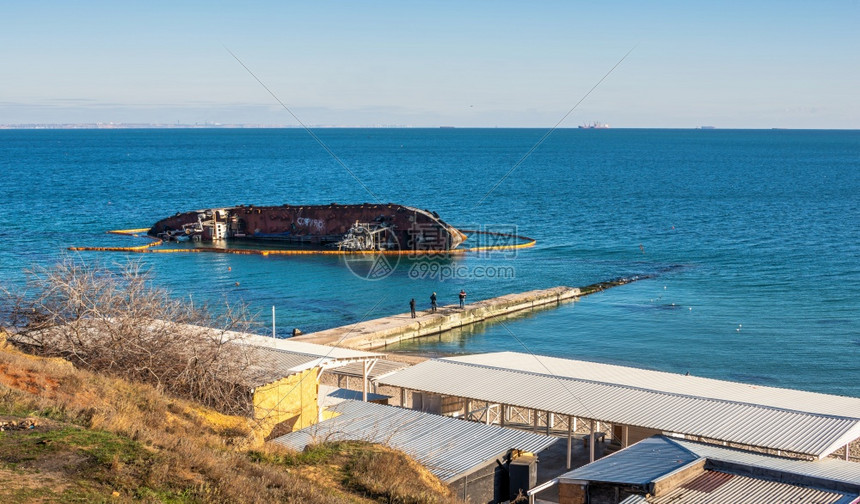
637, 403
379, 368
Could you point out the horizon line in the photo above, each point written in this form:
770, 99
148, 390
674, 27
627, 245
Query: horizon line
208, 125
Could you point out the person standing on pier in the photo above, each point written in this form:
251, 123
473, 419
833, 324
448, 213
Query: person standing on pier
433, 302
462, 298
412, 307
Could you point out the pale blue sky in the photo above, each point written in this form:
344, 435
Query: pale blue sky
744, 64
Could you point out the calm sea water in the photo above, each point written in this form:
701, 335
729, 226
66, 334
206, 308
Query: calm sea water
752, 236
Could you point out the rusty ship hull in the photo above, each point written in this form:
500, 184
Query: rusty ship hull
351, 227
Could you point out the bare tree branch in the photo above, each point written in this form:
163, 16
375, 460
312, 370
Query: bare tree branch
114, 321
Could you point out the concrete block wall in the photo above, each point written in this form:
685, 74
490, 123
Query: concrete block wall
571, 492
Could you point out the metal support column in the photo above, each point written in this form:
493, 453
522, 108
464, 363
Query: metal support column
591, 443
569, 439
364, 380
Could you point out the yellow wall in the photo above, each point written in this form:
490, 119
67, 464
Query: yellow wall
291, 401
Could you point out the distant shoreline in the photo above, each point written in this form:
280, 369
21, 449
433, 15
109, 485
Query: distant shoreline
214, 126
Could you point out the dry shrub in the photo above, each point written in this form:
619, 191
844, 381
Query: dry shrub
103, 402
114, 321
394, 477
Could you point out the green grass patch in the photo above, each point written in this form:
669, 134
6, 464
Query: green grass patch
92, 464
323, 453
167, 496
101, 448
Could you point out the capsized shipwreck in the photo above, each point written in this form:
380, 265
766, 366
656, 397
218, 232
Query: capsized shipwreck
363, 227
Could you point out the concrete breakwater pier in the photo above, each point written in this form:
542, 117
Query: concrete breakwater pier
378, 333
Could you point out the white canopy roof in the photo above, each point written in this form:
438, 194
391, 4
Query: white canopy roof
788, 421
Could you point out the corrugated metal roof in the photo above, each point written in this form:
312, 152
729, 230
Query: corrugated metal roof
280, 359
380, 369
724, 420
829, 469
272, 359
730, 476
448, 447
288, 345
652, 458
669, 382
267, 365
716, 487
638, 464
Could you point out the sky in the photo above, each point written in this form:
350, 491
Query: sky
728, 64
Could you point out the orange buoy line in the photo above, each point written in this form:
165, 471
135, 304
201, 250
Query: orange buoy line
150, 247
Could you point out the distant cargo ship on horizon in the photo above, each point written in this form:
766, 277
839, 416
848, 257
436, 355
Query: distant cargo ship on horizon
594, 125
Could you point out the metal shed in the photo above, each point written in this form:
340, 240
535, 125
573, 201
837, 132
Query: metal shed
276, 358
284, 379
663, 470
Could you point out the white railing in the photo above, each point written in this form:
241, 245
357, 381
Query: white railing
540, 488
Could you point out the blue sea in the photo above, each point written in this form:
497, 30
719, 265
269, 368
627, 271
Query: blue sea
750, 238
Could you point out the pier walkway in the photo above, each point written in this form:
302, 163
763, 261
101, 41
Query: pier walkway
378, 333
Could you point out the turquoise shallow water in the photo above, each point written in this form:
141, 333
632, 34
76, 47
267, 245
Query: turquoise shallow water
756, 231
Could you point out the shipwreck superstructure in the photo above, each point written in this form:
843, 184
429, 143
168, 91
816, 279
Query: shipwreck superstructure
361, 227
